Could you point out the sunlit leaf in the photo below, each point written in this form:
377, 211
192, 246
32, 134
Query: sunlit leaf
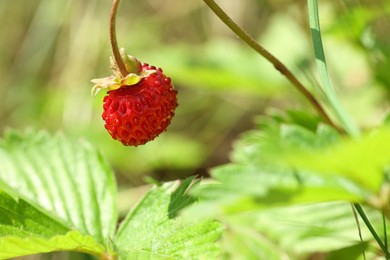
317, 227
287, 164
362, 160
151, 231
12, 246
68, 181
25, 230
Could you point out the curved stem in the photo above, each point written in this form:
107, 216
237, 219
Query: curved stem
300, 87
272, 59
114, 44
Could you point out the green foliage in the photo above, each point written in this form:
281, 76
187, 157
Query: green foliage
68, 181
281, 195
46, 82
21, 219
261, 173
60, 195
150, 229
13, 246
305, 228
283, 165
24, 230
361, 160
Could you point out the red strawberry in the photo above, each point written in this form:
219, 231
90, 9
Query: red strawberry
138, 107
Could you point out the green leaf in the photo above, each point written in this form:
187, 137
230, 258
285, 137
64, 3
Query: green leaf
150, 231
68, 181
180, 197
298, 231
309, 228
13, 246
19, 218
296, 129
259, 176
243, 188
351, 252
359, 160
362, 160
244, 242
25, 230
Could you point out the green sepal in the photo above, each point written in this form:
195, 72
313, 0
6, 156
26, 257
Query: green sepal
132, 64
113, 83
108, 83
135, 74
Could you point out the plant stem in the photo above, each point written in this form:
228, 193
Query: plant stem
384, 228
366, 221
359, 230
243, 35
114, 44
302, 89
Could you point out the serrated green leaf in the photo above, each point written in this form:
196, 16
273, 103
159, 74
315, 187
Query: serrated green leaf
242, 242
180, 197
150, 230
298, 231
146, 256
25, 230
13, 246
68, 181
242, 188
362, 160
317, 227
259, 176
278, 134
19, 218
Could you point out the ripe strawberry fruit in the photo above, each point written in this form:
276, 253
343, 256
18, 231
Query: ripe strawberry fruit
138, 107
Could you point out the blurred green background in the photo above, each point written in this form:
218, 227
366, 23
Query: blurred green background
50, 50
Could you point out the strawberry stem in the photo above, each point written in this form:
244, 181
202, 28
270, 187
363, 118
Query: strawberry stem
114, 44
243, 35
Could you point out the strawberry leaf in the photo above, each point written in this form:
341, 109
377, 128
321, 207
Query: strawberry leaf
67, 181
13, 246
259, 176
298, 231
150, 230
18, 218
361, 160
25, 230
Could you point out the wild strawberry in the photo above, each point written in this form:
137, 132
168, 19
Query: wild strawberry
139, 106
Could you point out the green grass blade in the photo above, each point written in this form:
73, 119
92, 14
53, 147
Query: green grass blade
328, 89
